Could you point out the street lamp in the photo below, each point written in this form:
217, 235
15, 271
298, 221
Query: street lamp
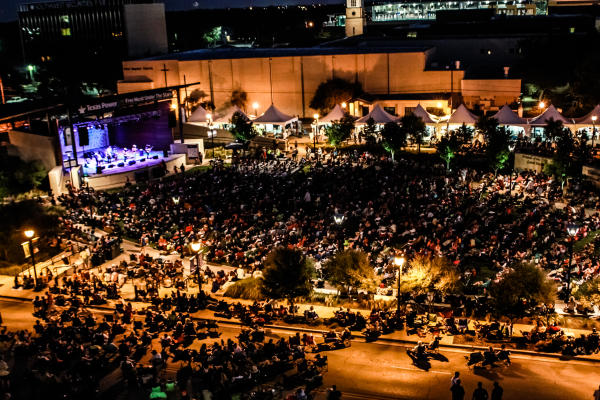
255, 106
196, 249
86, 180
572, 230
399, 262
338, 218
511, 148
541, 105
344, 105
594, 118
29, 234
211, 134
316, 117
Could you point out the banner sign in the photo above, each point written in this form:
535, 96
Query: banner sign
124, 101
528, 162
592, 174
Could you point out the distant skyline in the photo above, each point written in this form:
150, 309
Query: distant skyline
8, 8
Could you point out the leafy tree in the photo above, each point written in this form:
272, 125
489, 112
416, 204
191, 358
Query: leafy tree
18, 176
497, 142
332, 92
369, 132
524, 287
429, 274
239, 98
339, 131
589, 291
241, 128
287, 274
415, 127
553, 130
487, 126
194, 99
349, 269
214, 36
447, 148
464, 134
563, 165
393, 138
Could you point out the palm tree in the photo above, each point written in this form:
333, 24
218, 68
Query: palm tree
553, 130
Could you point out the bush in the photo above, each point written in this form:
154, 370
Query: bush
248, 289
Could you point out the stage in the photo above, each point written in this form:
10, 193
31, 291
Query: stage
139, 172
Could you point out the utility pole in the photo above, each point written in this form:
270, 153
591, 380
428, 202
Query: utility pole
2, 91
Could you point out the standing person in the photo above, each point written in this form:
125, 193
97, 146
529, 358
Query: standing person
455, 378
480, 393
333, 393
497, 392
597, 394
458, 392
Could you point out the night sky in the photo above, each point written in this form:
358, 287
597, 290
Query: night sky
8, 8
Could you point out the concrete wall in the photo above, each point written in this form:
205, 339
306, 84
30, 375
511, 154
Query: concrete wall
290, 82
30, 147
490, 92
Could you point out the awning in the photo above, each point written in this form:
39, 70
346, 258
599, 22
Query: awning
420, 112
336, 114
379, 115
199, 115
273, 116
506, 116
462, 116
550, 113
226, 116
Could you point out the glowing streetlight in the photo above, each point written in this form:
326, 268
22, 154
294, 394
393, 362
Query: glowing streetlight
594, 118
195, 247
316, 117
175, 200
439, 104
173, 106
255, 106
339, 218
541, 105
29, 234
572, 231
344, 105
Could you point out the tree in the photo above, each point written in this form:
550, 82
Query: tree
553, 130
339, 131
349, 269
497, 142
464, 134
241, 128
369, 132
562, 165
193, 100
521, 289
214, 36
589, 291
415, 127
287, 274
332, 92
429, 274
239, 98
447, 148
487, 126
393, 138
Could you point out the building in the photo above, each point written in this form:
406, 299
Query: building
87, 32
289, 78
355, 17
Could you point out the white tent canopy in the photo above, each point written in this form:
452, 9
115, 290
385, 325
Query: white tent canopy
379, 115
462, 116
550, 113
336, 114
420, 112
587, 119
273, 116
506, 116
199, 115
226, 116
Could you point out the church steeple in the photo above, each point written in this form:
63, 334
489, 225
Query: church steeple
355, 17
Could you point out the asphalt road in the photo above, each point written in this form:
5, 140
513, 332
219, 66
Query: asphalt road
384, 371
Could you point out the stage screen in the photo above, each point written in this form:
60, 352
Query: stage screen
153, 131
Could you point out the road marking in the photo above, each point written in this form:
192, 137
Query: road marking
421, 370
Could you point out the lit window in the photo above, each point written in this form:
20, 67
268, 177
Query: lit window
66, 31
572, 29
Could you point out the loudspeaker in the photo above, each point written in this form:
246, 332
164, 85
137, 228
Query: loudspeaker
120, 164
110, 166
131, 162
165, 153
99, 169
155, 157
84, 138
142, 159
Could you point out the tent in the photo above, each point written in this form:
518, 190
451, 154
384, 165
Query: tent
273, 116
199, 115
420, 112
506, 116
379, 115
462, 116
550, 113
587, 119
226, 116
336, 114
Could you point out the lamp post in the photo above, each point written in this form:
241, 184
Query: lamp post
511, 148
255, 106
86, 180
594, 118
339, 220
572, 230
196, 249
29, 234
399, 262
316, 117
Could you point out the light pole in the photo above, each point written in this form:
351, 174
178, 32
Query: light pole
511, 148
316, 116
255, 106
196, 249
86, 180
594, 118
29, 234
572, 230
339, 220
399, 262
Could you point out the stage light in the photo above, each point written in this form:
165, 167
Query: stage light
173, 106
542, 104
